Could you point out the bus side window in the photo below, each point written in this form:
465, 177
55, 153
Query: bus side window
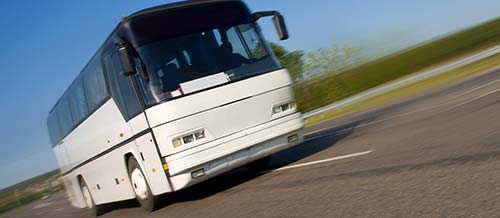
77, 102
65, 119
121, 88
94, 85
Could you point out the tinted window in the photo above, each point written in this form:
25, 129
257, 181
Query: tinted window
121, 87
234, 38
253, 45
77, 102
53, 125
94, 84
64, 115
115, 92
239, 52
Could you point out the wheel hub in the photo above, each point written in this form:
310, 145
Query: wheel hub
139, 184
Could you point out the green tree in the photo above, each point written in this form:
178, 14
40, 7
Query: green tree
291, 60
332, 59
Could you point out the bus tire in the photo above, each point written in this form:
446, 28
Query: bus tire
140, 186
89, 200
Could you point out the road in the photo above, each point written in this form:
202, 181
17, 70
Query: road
434, 155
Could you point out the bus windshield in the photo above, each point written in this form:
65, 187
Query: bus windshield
184, 64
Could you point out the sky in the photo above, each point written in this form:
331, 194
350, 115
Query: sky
45, 44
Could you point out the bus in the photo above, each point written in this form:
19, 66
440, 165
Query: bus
177, 94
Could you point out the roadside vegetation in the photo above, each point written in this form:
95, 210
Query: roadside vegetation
336, 75
30, 190
399, 94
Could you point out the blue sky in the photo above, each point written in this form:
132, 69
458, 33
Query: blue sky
46, 43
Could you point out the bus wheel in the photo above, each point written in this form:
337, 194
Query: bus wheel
87, 197
140, 186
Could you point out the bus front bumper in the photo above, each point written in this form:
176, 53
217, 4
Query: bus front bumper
259, 142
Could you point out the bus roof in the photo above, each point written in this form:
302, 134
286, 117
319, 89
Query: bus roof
173, 6
140, 14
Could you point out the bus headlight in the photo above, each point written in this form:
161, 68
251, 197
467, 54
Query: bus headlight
199, 134
176, 142
284, 107
189, 138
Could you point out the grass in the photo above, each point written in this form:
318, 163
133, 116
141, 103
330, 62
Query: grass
407, 91
30, 190
323, 90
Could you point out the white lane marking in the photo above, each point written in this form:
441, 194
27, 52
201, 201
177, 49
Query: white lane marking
445, 104
471, 100
319, 130
476, 88
322, 135
319, 161
42, 205
412, 112
378, 121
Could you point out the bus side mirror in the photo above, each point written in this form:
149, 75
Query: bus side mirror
279, 24
126, 59
278, 20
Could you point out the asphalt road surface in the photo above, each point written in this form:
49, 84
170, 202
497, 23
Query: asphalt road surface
434, 155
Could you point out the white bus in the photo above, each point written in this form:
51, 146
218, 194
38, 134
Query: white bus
177, 94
